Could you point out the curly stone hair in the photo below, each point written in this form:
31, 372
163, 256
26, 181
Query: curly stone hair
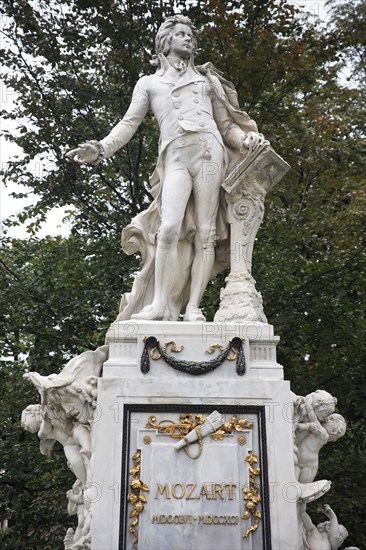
164, 35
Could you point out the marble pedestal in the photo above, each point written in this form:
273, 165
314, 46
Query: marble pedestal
123, 387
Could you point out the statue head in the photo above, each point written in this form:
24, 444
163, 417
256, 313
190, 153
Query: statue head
325, 527
335, 426
164, 35
323, 404
32, 418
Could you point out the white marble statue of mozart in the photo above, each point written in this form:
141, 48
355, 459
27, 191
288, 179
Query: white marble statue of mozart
182, 234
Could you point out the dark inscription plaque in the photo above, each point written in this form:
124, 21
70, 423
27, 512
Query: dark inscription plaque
210, 493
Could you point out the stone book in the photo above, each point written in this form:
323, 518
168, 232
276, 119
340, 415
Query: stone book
263, 164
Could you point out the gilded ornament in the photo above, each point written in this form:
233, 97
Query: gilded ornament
134, 497
251, 495
235, 352
147, 440
218, 435
242, 440
212, 348
188, 422
135, 484
177, 430
153, 356
245, 423
136, 457
173, 345
234, 356
250, 506
138, 507
154, 353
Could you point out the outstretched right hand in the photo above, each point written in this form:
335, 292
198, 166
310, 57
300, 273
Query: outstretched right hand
85, 153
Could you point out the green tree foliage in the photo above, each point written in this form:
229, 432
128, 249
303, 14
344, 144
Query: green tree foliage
73, 65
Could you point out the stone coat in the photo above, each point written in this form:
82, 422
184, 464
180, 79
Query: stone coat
194, 102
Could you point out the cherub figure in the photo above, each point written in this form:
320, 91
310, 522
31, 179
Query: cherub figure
328, 535
76, 507
308, 446
80, 505
309, 413
74, 389
74, 437
315, 423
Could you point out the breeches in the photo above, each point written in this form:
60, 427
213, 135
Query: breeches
194, 164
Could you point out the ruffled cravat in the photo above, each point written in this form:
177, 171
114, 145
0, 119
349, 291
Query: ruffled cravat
180, 66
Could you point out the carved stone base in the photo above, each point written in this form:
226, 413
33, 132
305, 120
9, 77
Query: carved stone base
244, 486
197, 519
240, 301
